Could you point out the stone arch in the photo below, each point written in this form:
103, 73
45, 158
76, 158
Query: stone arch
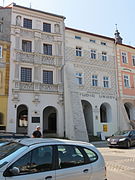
88, 115
22, 119
105, 113
130, 109
50, 120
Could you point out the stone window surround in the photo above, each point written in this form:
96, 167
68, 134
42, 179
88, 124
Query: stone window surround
124, 57
80, 77
126, 79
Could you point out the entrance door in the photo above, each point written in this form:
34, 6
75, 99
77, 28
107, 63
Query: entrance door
22, 119
49, 120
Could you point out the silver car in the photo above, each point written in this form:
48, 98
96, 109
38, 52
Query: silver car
50, 159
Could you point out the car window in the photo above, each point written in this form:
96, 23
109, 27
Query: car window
69, 156
42, 159
9, 148
37, 160
91, 155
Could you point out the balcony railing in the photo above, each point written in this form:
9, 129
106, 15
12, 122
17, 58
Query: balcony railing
35, 86
37, 58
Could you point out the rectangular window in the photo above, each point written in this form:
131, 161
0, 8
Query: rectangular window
133, 60
104, 56
126, 81
77, 37
78, 51
27, 23
103, 43
0, 51
47, 77
1, 27
93, 54
106, 82
46, 27
26, 46
124, 58
26, 74
47, 49
79, 78
94, 80
92, 40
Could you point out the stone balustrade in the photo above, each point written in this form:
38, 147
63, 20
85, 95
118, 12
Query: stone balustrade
38, 58
37, 86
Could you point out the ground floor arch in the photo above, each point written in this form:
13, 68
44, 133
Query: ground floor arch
130, 109
49, 120
22, 119
88, 115
105, 113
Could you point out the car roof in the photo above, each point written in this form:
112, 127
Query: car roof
33, 141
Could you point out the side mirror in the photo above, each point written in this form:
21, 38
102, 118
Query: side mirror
14, 171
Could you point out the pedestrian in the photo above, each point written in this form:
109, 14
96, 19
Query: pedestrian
37, 133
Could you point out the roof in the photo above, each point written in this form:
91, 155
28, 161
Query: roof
125, 45
88, 33
32, 141
31, 9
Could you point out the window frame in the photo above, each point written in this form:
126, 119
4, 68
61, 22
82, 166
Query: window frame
1, 49
79, 77
26, 76
133, 60
124, 58
103, 43
78, 51
48, 80
104, 56
106, 81
93, 54
126, 79
94, 80
27, 23
46, 27
48, 49
78, 37
26, 46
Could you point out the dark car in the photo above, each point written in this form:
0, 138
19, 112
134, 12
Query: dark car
124, 138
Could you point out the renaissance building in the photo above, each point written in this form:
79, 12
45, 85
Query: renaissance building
37, 59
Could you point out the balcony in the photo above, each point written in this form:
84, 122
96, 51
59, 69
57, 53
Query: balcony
35, 86
38, 58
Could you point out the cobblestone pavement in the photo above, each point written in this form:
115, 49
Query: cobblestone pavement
119, 161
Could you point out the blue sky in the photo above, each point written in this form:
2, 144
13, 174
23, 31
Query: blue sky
95, 16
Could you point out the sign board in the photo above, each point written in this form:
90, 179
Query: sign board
35, 119
105, 127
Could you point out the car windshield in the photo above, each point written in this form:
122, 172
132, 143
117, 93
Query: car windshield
10, 150
122, 133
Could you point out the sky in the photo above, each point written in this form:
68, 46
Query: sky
95, 16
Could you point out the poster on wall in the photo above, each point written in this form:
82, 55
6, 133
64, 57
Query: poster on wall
35, 119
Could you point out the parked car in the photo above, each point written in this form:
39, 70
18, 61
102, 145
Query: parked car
125, 138
55, 159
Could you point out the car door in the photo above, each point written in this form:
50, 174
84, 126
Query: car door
132, 137
35, 165
72, 164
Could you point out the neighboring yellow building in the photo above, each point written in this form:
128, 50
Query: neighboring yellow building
4, 81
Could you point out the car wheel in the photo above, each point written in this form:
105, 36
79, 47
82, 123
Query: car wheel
128, 144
